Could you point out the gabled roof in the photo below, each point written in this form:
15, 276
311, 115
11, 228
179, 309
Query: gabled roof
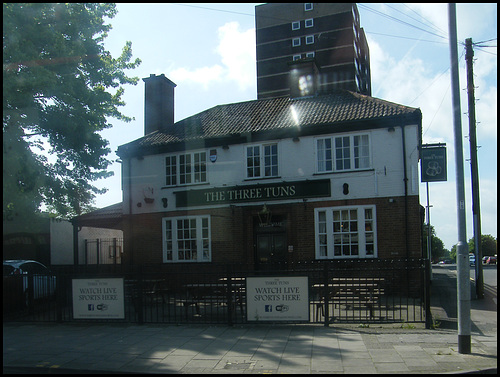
108, 217
283, 115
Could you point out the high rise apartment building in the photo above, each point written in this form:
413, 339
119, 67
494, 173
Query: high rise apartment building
309, 48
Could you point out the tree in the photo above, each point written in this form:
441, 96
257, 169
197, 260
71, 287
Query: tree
438, 250
60, 86
488, 245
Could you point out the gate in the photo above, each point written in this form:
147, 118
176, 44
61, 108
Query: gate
346, 291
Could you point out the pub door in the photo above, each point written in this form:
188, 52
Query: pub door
270, 250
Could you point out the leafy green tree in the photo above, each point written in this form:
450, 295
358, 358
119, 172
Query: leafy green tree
488, 245
438, 250
60, 87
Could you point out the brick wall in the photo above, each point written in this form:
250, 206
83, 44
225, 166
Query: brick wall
232, 230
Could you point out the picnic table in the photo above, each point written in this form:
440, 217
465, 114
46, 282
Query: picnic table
350, 291
218, 293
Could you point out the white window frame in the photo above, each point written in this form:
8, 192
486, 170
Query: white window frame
173, 245
194, 172
295, 42
340, 154
309, 39
308, 6
264, 160
309, 23
332, 243
297, 57
310, 54
295, 25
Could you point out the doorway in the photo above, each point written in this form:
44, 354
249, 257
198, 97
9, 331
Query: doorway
271, 248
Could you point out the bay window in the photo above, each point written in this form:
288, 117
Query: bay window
345, 232
186, 239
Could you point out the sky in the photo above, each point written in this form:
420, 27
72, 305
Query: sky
208, 50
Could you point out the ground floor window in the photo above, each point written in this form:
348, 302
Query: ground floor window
186, 239
345, 232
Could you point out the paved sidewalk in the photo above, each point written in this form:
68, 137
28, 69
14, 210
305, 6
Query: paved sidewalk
123, 348
239, 349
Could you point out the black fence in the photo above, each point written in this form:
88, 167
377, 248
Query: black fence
355, 291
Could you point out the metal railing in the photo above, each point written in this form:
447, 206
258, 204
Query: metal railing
345, 291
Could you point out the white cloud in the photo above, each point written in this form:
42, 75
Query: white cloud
236, 49
204, 75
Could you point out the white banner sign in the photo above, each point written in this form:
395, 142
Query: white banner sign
284, 298
98, 298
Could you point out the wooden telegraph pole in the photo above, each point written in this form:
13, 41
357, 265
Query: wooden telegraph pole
469, 53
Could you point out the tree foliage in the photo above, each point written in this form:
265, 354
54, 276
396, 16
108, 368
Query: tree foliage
438, 250
488, 245
60, 87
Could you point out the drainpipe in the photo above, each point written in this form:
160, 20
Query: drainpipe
405, 179
130, 237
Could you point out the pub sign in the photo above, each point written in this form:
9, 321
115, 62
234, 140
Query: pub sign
433, 164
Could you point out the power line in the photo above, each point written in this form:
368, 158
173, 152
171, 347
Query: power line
430, 24
401, 37
399, 21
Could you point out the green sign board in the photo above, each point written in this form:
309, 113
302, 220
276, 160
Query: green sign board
253, 193
433, 164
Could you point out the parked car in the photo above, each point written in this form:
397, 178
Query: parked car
446, 261
491, 260
44, 282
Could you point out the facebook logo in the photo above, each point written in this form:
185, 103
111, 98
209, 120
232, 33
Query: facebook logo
268, 308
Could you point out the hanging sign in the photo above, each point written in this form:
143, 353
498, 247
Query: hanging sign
433, 164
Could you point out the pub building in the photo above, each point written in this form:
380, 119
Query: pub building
323, 176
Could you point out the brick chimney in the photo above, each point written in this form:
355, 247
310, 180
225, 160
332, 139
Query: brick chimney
158, 103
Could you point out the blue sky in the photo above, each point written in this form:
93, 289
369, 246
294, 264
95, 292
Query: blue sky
208, 50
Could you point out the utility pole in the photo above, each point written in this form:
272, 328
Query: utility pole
469, 53
463, 269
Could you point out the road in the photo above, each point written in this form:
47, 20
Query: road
444, 290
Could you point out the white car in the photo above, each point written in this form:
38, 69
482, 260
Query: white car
44, 282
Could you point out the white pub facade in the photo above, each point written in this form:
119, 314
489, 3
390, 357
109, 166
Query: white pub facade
331, 176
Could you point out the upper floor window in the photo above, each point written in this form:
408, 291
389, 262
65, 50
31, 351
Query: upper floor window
186, 168
343, 153
262, 161
296, 42
296, 25
309, 39
309, 22
308, 6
